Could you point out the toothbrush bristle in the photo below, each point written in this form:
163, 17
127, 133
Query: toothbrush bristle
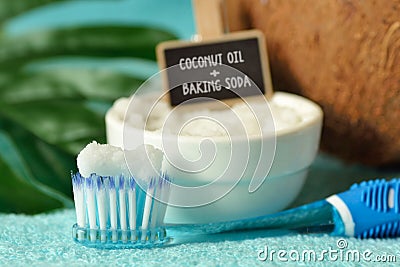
100, 183
89, 182
76, 180
112, 182
132, 183
160, 182
119, 211
152, 183
121, 182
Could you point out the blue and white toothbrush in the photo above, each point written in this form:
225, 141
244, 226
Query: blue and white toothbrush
367, 210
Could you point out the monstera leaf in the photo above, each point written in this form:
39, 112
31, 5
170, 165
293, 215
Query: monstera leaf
48, 115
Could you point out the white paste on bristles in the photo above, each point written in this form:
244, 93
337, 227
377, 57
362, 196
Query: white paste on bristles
107, 160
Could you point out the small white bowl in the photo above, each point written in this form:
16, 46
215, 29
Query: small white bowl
296, 148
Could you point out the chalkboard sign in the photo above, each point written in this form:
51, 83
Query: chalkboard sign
228, 68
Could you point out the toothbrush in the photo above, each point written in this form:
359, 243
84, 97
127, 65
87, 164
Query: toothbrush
367, 210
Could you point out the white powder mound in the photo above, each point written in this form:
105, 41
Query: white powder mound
254, 119
107, 160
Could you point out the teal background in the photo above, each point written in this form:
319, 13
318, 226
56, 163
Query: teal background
175, 16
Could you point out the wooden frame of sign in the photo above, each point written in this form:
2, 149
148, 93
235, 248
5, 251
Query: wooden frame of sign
227, 68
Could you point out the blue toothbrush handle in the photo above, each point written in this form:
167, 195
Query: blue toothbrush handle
369, 209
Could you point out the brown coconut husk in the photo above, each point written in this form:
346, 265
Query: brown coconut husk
342, 54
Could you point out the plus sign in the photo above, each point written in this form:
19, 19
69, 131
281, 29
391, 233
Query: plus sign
214, 73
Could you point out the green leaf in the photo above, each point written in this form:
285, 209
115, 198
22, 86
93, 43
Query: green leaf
51, 115
11, 8
46, 163
65, 123
66, 84
102, 41
47, 117
19, 192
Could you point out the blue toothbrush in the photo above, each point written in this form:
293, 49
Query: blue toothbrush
114, 212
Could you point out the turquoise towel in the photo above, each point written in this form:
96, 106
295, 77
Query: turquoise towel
45, 239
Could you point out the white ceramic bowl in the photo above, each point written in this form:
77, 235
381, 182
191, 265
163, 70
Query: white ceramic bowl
296, 148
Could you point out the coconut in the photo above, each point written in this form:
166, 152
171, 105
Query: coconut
343, 54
